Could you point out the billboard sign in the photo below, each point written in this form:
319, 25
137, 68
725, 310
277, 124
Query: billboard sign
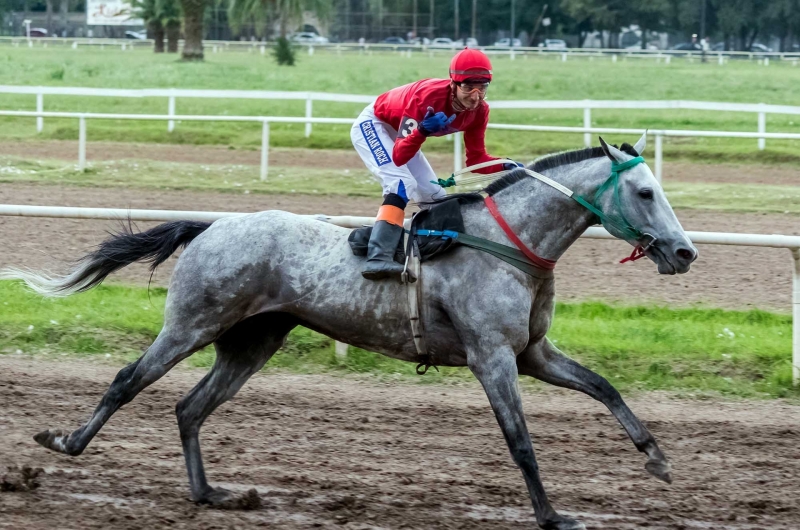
110, 13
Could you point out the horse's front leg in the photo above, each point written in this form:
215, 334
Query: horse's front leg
544, 361
497, 372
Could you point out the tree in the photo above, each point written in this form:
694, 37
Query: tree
169, 12
193, 11
286, 12
147, 10
650, 15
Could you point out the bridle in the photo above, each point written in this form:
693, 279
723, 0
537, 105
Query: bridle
619, 222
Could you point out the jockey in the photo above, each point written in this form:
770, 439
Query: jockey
388, 136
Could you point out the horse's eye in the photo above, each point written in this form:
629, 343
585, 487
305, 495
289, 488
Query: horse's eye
646, 193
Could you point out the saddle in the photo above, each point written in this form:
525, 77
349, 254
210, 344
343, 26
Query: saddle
442, 217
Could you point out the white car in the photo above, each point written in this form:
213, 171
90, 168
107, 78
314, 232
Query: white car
505, 43
471, 42
308, 37
442, 42
555, 44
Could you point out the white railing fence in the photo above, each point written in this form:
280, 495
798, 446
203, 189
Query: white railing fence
171, 94
265, 122
408, 50
710, 238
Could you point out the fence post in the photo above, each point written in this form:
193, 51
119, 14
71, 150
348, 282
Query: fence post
308, 115
340, 349
659, 157
264, 150
762, 128
796, 318
82, 143
171, 112
39, 108
587, 122
457, 156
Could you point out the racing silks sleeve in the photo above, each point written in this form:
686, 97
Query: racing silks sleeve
409, 137
474, 141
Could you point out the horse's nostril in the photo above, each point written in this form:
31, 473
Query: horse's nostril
685, 254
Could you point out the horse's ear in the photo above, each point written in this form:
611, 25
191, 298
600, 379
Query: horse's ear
641, 144
612, 152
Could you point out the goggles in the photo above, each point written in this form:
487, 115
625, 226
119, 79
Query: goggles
471, 87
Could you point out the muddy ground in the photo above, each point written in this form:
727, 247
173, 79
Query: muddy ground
327, 452
732, 277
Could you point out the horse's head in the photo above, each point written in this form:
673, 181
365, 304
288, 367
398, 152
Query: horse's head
636, 210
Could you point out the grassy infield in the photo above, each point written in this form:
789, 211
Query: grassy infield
695, 349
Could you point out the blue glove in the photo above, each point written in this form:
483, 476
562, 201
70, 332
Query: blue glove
433, 123
508, 166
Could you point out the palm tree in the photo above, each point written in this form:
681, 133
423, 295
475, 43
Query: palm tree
241, 12
169, 11
193, 11
147, 10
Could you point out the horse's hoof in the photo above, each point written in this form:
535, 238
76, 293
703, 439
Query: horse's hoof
561, 522
226, 500
661, 469
55, 440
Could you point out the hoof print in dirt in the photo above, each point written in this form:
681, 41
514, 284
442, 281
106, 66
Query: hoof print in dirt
248, 501
23, 478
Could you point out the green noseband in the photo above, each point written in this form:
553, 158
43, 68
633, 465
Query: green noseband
618, 222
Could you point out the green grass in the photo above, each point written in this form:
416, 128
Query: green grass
153, 175
697, 350
533, 78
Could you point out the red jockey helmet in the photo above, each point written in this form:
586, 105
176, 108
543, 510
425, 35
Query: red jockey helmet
469, 64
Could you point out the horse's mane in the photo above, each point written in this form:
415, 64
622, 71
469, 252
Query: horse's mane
542, 164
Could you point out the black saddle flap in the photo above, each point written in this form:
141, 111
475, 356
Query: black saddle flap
440, 217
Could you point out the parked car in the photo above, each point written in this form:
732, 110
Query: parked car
505, 43
638, 46
471, 43
687, 46
554, 44
307, 37
136, 35
38, 32
760, 48
442, 42
393, 40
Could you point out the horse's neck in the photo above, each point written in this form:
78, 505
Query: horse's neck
545, 219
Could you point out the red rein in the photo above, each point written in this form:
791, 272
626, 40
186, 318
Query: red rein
539, 262
638, 251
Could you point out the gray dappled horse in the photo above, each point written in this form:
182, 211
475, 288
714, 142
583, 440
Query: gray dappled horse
244, 282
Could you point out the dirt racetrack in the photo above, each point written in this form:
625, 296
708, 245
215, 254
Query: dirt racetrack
732, 277
326, 452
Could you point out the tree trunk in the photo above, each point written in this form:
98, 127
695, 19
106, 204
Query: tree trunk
173, 31
430, 21
64, 8
48, 20
157, 30
644, 39
193, 11
474, 19
284, 25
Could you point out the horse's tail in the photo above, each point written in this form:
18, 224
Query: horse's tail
124, 247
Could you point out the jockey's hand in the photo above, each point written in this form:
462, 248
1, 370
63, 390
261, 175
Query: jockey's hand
508, 166
433, 123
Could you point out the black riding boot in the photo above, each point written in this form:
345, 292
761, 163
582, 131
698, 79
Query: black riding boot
380, 253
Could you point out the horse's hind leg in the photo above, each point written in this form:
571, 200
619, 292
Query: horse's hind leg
544, 361
241, 352
169, 348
